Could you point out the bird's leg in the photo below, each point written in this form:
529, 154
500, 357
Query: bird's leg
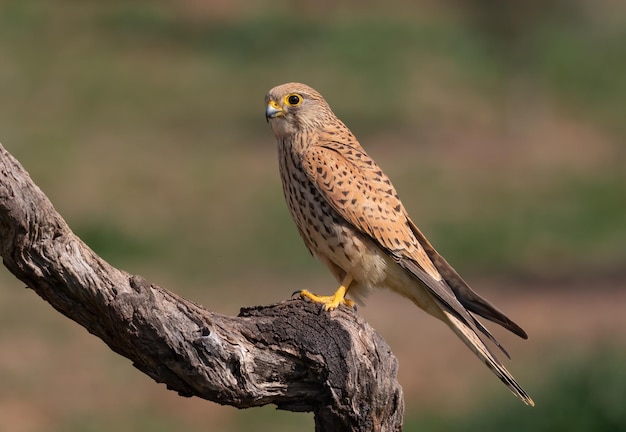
333, 301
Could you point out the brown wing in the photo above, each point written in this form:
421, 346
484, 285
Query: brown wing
352, 183
360, 192
354, 186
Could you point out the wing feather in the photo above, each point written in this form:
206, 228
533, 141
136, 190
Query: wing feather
370, 203
468, 297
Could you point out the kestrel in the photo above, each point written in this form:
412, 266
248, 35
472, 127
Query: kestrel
350, 217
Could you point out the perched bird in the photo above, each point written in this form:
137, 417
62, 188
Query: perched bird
350, 217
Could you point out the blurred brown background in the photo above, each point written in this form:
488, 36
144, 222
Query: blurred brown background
500, 123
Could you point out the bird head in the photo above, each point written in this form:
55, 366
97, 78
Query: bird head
293, 107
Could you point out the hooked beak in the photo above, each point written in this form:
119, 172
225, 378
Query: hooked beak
273, 110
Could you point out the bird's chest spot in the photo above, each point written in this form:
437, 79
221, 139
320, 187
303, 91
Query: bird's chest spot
327, 235
325, 232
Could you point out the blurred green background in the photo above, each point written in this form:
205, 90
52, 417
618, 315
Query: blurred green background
501, 124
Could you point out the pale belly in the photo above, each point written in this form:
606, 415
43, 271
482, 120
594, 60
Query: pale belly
342, 248
371, 268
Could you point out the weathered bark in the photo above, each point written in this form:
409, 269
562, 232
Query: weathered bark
289, 354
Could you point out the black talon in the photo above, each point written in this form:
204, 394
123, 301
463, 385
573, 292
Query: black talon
295, 292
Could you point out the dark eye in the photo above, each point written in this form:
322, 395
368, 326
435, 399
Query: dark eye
294, 99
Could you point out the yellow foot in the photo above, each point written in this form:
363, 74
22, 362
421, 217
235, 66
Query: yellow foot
329, 302
333, 301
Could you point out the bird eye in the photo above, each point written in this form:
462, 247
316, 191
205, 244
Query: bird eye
293, 99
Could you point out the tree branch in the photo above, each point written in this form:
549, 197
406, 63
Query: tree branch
288, 354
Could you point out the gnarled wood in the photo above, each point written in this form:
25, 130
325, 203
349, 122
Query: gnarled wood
288, 354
